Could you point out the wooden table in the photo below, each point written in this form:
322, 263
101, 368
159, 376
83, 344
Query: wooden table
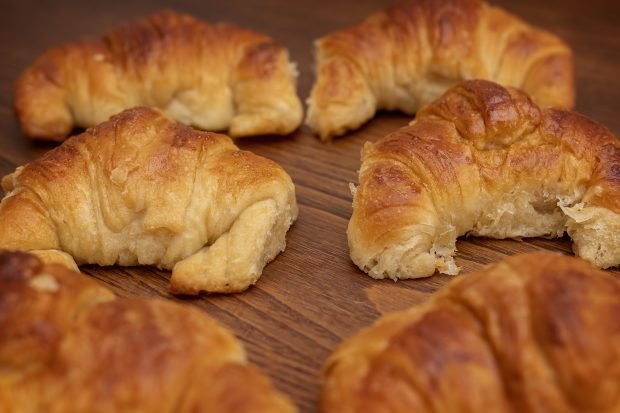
311, 296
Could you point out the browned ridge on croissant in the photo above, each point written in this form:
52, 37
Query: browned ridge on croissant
141, 189
533, 333
211, 76
68, 345
484, 160
405, 56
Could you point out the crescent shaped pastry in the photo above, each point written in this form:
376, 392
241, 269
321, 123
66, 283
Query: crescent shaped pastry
406, 56
68, 345
213, 77
533, 333
140, 189
484, 160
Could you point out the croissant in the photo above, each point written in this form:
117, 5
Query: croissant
68, 345
484, 160
406, 56
140, 189
533, 333
213, 77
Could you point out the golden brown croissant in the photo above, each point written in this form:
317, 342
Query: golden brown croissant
140, 189
67, 345
403, 57
484, 160
533, 333
214, 77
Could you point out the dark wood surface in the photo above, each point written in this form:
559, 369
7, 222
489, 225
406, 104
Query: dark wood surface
311, 296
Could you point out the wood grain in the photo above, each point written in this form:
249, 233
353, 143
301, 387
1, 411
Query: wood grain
311, 296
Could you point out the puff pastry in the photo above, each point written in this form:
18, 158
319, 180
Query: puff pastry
68, 345
214, 77
405, 56
484, 160
140, 189
533, 333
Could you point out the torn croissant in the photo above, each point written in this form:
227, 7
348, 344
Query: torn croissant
140, 189
484, 160
405, 56
213, 77
68, 345
532, 333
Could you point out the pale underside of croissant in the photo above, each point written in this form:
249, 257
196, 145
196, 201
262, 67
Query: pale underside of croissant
533, 333
484, 160
68, 345
214, 77
406, 56
140, 189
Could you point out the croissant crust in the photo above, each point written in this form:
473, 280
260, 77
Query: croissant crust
68, 345
533, 333
405, 56
140, 189
484, 160
211, 76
